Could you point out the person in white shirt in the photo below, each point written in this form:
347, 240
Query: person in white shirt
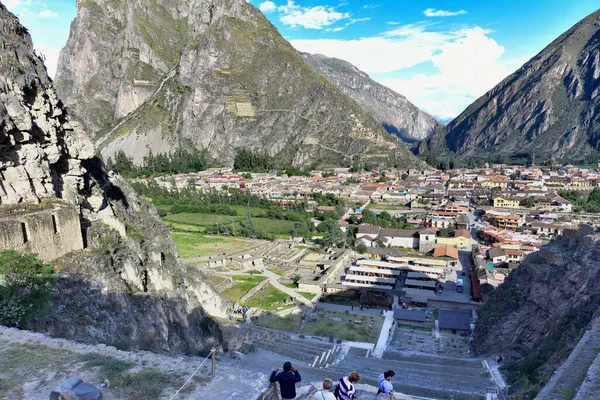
326, 393
385, 382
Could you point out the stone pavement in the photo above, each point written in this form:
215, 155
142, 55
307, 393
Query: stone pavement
384, 335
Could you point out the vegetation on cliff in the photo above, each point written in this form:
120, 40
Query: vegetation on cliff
536, 317
26, 284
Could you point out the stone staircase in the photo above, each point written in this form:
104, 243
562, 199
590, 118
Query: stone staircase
238, 338
421, 375
310, 352
579, 376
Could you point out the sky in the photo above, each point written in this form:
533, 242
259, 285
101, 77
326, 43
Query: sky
441, 55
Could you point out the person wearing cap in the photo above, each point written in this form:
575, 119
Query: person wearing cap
287, 380
385, 383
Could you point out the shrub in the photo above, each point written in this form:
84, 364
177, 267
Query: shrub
26, 284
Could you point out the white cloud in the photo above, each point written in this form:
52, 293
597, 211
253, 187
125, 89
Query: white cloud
17, 6
47, 14
432, 12
50, 54
467, 63
317, 17
267, 6
29, 9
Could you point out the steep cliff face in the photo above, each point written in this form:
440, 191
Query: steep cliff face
550, 106
40, 151
398, 116
543, 308
46, 165
154, 74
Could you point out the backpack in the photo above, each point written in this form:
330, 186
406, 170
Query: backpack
336, 392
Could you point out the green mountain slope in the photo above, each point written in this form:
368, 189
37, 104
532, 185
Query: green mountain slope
154, 75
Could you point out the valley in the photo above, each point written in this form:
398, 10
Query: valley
192, 199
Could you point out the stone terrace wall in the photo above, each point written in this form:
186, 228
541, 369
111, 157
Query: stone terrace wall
50, 230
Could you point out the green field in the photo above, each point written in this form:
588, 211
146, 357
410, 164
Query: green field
194, 244
347, 328
309, 296
270, 299
187, 222
242, 286
288, 323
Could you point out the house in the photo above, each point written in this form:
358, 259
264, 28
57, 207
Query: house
507, 202
408, 238
459, 240
497, 255
454, 321
508, 221
368, 234
448, 252
410, 316
546, 229
514, 256
427, 239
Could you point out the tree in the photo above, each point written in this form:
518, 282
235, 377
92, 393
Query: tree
26, 284
529, 202
361, 248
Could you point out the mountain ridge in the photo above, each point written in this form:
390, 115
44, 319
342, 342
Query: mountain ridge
549, 107
214, 74
390, 108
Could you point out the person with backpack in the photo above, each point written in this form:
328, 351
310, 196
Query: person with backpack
326, 393
287, 380
346, 389
385, 383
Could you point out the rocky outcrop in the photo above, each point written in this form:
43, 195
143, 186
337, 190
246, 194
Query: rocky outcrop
544, 306
550, 107
397, 115
127, 287
40, 151
156, 75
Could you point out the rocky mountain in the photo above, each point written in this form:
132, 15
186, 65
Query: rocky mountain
539, 313
391, 109
215, 74
550, 106
121, 281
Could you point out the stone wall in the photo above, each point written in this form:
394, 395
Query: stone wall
49, 230
252, 292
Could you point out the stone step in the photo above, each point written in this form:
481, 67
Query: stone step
569, 377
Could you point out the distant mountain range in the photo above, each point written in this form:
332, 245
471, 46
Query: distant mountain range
391, 109
214, 74
550, 107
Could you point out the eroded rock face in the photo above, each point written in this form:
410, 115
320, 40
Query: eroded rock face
549, 300
398, 116
40, 151
211, 73
550, 106
129, 274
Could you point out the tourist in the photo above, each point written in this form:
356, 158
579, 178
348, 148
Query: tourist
347, 390
385, 382
287, 380
326, 393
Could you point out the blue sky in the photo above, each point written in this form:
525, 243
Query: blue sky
442, 55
